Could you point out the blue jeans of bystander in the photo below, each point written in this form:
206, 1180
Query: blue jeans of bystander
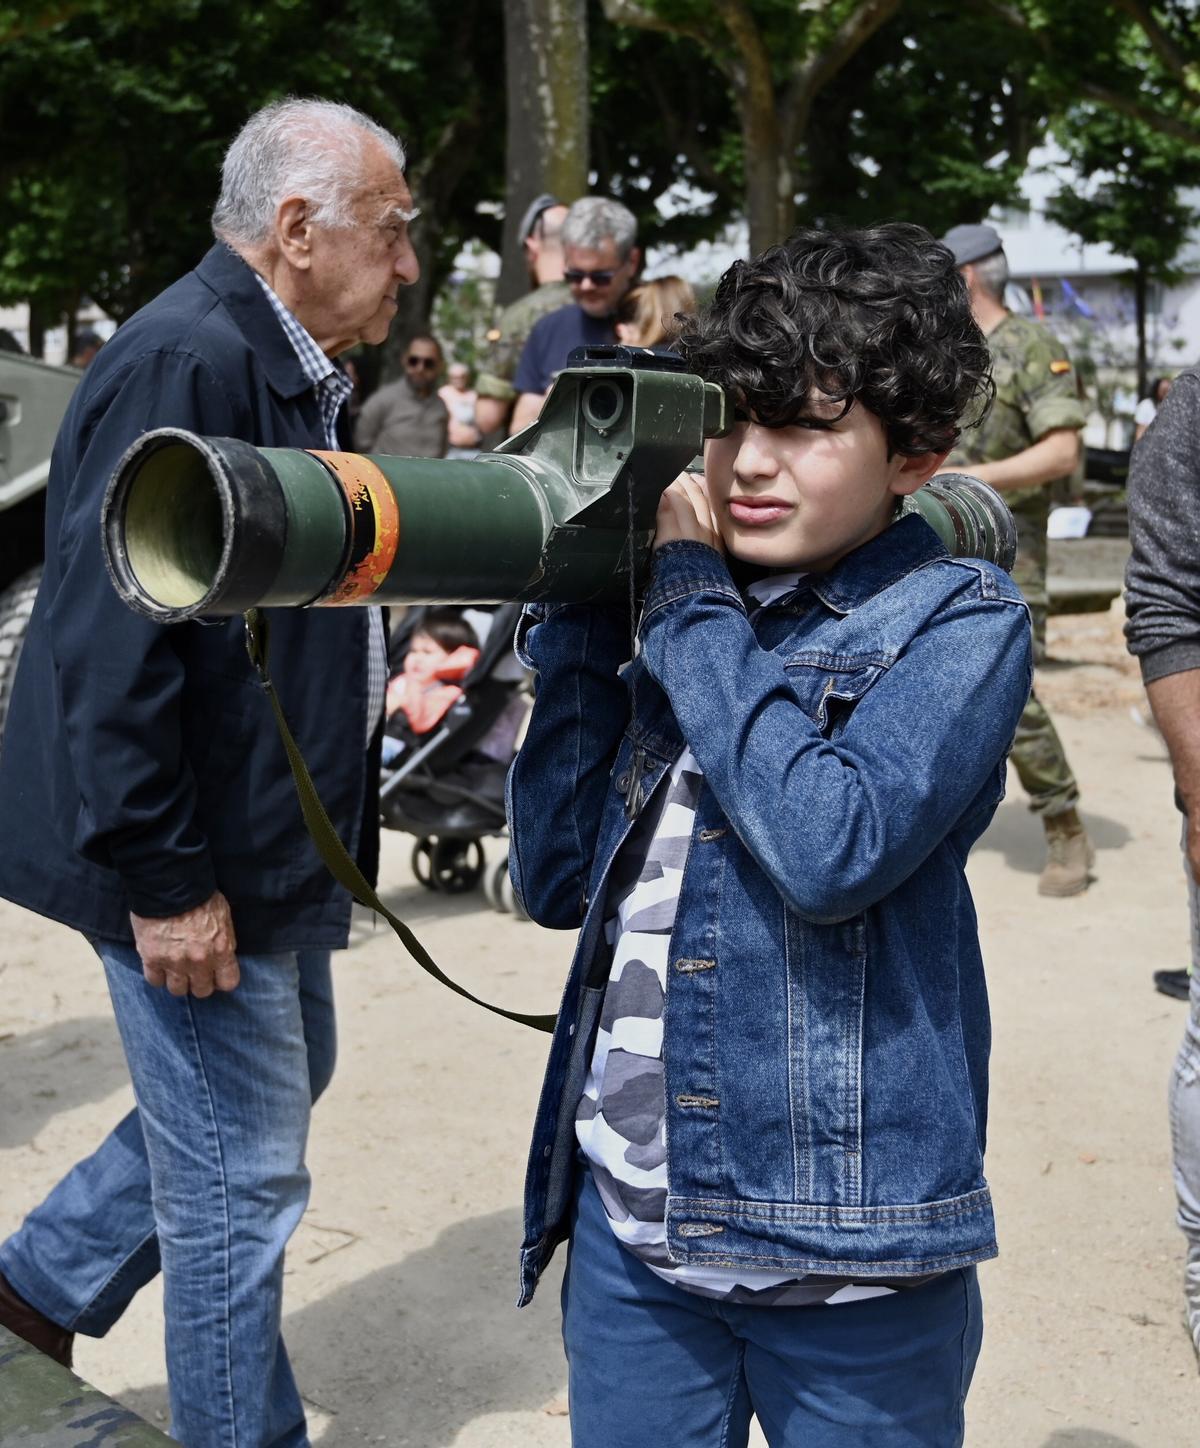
651, 1363
205, 1178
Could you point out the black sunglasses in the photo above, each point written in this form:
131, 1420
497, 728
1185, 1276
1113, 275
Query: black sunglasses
425, 362
597, 278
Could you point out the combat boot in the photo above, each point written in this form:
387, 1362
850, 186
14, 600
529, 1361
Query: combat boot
1069, 855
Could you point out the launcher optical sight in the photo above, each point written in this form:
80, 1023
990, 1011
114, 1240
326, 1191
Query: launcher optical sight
200, 526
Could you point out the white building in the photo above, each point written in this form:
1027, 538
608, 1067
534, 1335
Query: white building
1074, 279
90, 319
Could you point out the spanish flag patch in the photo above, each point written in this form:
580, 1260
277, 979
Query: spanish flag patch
1059, 366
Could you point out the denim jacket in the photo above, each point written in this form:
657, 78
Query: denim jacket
826, 1026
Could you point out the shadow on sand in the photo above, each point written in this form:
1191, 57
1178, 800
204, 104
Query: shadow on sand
1018, 835
409, 1355
57, 1068
1085, 1438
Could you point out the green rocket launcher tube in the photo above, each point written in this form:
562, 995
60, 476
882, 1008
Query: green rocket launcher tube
200, 526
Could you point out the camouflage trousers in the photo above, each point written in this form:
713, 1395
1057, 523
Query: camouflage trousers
1037, 753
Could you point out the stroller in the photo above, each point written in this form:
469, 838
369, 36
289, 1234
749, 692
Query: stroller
447, 788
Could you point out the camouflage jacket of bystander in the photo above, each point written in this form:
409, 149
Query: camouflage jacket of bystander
508, 337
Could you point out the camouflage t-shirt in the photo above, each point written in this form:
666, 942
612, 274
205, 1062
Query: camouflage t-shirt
508, 337
620, 1122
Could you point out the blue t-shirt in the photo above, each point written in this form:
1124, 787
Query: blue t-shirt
552, 340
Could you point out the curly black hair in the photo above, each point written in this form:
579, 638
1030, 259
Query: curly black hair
878, 315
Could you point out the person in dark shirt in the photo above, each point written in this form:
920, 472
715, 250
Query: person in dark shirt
602, 263
148, 803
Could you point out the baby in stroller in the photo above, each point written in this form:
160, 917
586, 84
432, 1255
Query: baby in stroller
456, 702
442, 650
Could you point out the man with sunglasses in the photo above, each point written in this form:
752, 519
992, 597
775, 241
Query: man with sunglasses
601, 263
407, 418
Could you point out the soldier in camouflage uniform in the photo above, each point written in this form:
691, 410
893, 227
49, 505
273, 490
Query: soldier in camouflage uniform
1027, 443
540, 238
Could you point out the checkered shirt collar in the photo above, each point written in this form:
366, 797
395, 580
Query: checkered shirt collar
332, 385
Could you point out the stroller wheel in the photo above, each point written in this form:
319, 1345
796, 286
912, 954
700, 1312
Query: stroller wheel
509, 896
494, 884
422, 863
457, 865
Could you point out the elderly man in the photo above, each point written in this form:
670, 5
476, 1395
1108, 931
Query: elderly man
147, 801
601, 262
408, 418
1028, 442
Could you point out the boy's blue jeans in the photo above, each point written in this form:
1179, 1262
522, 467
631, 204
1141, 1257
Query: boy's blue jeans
207, 1179
653, 1364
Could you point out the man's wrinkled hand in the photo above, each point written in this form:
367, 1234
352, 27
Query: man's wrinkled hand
685, 515
193, 952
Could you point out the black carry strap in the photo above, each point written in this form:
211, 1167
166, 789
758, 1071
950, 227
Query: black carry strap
337, 858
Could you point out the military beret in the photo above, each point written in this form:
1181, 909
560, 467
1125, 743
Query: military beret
535, 208
972, 243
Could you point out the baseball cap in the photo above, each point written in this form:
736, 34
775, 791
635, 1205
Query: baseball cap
972, 243
535, 208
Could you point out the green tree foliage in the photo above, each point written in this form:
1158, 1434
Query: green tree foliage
113, 117
932, 121
662, 121
1129, 192
113, 120
775, 59
910, 107
545, 97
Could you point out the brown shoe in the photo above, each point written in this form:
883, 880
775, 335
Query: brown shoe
1069, 856
27, 1322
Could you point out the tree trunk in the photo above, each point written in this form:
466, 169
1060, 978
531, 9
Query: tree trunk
1139, 301
546, 68
40, 320
770, 179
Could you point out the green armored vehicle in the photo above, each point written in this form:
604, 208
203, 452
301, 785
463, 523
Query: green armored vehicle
33, 398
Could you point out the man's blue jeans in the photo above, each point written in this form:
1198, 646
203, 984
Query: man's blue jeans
207, 1178
653, 1364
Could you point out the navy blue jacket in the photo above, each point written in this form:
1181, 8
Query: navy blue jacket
140, 766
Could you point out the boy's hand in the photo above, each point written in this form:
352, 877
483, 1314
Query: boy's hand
684, 515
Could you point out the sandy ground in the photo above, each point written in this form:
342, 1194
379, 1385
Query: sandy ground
400, 1285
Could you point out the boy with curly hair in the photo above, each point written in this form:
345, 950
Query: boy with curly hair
763, 1119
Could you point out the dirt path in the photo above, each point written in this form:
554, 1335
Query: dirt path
401, 1280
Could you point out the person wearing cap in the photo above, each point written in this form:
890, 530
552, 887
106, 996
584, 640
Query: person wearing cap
540, 233
1027, 442
601, 263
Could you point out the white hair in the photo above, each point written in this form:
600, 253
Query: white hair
593, 220
991, 274
309, 148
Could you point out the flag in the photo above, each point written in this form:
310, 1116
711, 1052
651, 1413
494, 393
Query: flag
1073, 299
1039, 310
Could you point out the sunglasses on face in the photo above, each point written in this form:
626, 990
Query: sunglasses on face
597, 278
427, 363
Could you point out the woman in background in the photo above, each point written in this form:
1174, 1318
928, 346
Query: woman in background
1149, 405
460, 398
646, 316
